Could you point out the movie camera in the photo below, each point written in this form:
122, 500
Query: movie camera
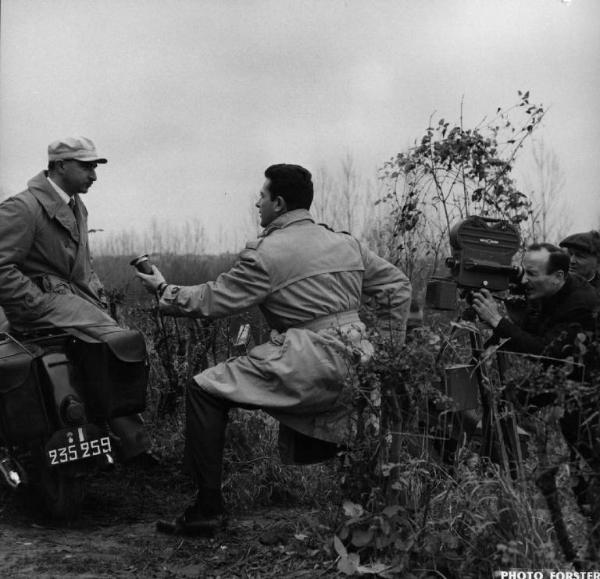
482, 253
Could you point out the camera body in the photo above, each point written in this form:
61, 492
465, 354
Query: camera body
482, 253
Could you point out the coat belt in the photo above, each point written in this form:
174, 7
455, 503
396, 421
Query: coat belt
331, 321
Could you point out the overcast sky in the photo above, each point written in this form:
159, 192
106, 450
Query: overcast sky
190, 100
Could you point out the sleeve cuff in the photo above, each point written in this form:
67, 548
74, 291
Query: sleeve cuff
167, 301
503, 329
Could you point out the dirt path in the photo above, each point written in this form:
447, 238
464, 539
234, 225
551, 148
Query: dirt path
115, 537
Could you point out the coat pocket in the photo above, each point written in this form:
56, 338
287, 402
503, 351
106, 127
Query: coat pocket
52, 284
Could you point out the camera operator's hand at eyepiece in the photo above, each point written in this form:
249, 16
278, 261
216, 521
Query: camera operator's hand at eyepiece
153, 280
486, 307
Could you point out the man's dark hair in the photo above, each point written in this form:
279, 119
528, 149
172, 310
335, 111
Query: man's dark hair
558, 260
292, 183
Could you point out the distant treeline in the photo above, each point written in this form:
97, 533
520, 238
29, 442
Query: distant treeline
118, 276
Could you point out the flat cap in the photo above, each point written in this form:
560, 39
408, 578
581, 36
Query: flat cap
78, 148
589, 242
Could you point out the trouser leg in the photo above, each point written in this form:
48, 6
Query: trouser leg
133, 438
206, 420
579, 435
579, 428
578, 432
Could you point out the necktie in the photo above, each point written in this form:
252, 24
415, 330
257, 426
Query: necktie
73, 207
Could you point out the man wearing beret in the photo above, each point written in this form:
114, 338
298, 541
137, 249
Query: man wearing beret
584, 251
46, 274
308, 281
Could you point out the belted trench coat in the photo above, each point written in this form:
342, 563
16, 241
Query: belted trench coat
46, 275
309, 282
47, 279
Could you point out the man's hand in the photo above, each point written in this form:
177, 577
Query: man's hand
486, 307
151, 281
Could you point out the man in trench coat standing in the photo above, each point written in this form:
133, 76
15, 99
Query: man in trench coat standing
308, 281
46, 274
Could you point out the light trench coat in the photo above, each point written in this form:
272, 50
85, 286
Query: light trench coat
47, 279
46, 275
308, 281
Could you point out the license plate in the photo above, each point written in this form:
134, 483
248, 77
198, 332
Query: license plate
77, 444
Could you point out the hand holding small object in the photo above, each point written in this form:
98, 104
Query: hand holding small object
153, 281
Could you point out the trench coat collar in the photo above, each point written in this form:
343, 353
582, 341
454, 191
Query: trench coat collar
54, 206
286, 219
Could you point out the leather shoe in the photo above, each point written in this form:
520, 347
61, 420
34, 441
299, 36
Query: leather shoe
197, 526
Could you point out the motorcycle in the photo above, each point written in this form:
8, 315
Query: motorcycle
58, 389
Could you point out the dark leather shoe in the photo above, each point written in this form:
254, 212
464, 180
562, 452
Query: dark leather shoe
197, 526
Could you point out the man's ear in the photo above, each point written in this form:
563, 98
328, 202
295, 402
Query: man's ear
280, 204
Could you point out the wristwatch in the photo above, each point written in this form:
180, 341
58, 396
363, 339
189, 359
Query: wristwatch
160, 290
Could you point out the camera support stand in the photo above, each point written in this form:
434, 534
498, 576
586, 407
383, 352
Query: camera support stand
482, 253
500, 441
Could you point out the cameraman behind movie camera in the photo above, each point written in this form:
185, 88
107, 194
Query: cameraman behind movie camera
558, 304
555, 301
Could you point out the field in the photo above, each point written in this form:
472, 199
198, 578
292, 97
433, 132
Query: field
115, 536
407, 499
271, 507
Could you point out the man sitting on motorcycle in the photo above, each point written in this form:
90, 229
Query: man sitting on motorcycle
46, 274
